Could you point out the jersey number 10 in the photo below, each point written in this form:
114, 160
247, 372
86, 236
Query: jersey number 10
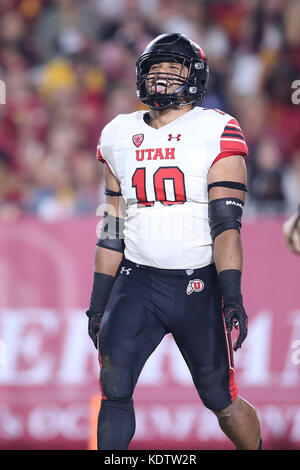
162, 174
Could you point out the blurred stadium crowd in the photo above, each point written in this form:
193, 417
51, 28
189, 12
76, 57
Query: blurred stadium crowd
69, 68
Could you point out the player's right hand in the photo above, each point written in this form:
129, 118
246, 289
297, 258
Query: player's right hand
94, 325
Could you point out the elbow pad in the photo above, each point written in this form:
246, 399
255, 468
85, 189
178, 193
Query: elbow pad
225, 214
112, 233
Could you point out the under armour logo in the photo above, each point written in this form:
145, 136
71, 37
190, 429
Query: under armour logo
125, 270
175, 137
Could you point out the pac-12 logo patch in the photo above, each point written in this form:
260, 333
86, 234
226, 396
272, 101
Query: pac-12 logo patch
196, 285
138, 139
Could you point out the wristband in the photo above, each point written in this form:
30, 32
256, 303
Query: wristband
230, 283
101, 291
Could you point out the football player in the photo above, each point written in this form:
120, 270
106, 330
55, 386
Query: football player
169, 255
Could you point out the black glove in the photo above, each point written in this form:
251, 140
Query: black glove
94, 325
235, 315
101, 291
233, 309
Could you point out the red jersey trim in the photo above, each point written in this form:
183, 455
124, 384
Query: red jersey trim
228, 153
232, 141
103, 396
233, 122
102, 160
99, 155
233, 388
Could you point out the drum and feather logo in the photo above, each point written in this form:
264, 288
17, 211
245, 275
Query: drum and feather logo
196, 285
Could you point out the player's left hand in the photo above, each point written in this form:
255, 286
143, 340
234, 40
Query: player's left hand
237, 317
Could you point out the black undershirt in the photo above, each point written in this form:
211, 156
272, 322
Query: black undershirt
146, 118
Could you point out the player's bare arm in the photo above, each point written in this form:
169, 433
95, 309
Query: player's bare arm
107, 261
227, 245
108, 255
225, 212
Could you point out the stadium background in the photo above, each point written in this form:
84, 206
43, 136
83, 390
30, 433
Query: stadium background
68, 68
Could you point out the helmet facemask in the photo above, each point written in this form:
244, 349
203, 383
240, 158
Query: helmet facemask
165, 89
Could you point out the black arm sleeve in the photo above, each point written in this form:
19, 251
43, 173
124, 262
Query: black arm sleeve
224, 214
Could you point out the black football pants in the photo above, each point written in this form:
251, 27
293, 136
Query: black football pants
144, 305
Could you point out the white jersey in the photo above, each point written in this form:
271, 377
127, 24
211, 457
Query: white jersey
163, 177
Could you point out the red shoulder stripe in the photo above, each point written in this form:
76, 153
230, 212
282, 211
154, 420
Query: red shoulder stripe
233, 122
235, 145
232, 141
